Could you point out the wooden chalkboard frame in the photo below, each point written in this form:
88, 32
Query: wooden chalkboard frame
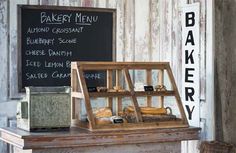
63, 8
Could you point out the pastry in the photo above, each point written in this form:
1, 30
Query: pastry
103, 112
148, 110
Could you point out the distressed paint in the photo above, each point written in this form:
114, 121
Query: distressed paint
176, 43
14, 48
173, 147
4, 51
154, 29
142, 35
3, 123
34, 2
64, 2
74, 2
111, 4
87, 3
150, 28
120, 32
101, 4
129, 29
165, 33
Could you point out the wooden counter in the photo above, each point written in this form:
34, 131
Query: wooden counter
75, 139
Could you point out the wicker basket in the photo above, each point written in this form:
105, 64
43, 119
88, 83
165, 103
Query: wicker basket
215, 147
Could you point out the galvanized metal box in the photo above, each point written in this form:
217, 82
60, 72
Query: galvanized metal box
44, 109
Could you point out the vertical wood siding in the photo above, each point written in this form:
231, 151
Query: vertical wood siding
3, 50
147, 30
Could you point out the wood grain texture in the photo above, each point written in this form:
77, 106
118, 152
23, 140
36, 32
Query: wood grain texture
142, 35
78, 137
3, 123
48, 2
13, 49
163, 32
4, 67
173, 147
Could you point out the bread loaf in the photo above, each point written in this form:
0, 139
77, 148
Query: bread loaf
103, 120
103, 112
148, 110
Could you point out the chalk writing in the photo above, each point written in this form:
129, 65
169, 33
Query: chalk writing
85, 19
59, 53
67, 30
93, 76
51, 38
57, 75
30, 76
53, 18
67, 41
35, 52
38, 30
39, 41
33, 63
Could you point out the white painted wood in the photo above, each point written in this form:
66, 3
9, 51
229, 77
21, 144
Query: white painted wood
202, 49
176, 43
75, 3
147, 30
48, 2
129, 28
101, 3
3, 123
87, 3
142, 35
33, 2
64, 2
154, 29
165, 31
210, 54
4, 65
120, 33
13, 48
111, 4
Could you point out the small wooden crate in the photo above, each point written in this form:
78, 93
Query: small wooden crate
114, 71
44, 109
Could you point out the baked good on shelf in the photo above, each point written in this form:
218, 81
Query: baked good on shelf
160, 88
103, 120
103, 112
102, 89
148, 110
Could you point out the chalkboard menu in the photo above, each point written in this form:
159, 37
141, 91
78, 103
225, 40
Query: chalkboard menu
50, 37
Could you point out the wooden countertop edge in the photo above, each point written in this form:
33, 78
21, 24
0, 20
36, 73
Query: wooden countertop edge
83, 138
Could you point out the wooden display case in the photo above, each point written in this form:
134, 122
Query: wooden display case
120, 86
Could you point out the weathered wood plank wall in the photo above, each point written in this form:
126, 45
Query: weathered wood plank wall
147, 30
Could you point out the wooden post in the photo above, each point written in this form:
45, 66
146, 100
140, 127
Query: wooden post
86, 98
118, 99
177, 96
134, 99
161, 82
149, 83
109, 86
74, 88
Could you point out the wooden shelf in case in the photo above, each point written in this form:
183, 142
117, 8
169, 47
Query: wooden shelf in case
80, 91
127, 93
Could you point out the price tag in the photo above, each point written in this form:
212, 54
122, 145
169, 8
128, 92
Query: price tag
92, 89
148, 88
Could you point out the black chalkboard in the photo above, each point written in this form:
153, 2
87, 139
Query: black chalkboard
50, 37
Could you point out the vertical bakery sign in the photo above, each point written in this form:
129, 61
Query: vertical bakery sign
190, 62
